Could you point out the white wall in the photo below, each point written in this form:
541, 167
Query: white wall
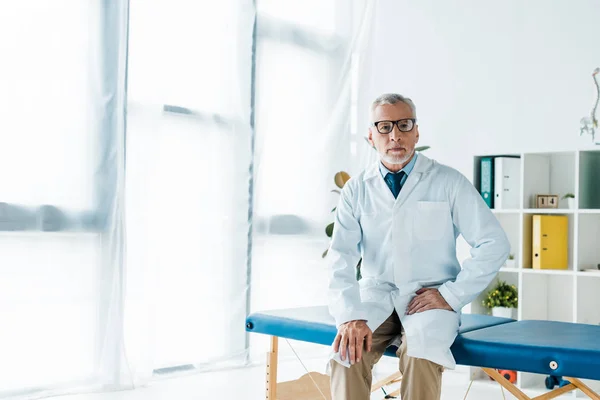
488, 77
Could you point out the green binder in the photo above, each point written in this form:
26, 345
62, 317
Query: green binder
487, 180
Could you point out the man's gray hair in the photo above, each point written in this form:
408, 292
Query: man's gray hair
393, 98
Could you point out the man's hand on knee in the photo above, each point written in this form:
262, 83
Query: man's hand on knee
427, 299
353, 336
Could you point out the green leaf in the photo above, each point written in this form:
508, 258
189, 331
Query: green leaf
502, 295
329, 230
333, 209
422, 148
325, 253
335, 190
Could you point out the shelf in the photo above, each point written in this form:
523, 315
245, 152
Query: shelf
549, 211
512, 270
549, 271
590, 274
566, 295
507, 211
546, 211
588, 211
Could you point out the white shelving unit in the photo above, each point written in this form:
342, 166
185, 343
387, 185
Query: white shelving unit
571, 295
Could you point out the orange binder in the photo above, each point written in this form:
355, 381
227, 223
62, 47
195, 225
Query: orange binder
550, 242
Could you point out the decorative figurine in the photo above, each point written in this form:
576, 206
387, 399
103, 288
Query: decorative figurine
590, 124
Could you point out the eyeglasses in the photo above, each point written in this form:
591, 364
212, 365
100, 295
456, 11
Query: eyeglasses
404, 125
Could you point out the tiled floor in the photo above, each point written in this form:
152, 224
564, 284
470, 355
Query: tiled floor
248, 383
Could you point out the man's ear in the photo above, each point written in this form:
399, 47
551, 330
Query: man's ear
370, 138
417, 128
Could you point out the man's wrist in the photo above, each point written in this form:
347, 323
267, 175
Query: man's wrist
449, 298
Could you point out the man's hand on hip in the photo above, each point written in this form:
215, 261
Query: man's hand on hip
427, 299
353, 336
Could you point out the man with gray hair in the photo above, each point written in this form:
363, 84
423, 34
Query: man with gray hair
402, 217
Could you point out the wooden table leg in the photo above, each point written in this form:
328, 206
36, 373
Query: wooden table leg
395, 377
583, 387
556, 392
271, 380
497, 376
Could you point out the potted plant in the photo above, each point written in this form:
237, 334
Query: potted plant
510, 263
340, 179
502, 300
570, 197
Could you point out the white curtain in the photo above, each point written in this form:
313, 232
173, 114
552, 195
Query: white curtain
310, 61
189, 138
166, 169
62, 91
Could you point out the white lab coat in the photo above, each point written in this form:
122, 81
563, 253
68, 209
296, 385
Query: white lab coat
409, 243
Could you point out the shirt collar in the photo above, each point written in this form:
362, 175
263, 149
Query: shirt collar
407, 168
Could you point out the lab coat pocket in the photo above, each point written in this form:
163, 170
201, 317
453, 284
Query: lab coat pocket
431, 220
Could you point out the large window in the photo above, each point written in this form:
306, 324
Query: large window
303, 135
50, 231
188, 161
130, 230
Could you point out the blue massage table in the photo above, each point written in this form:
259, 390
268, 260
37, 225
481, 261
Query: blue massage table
544, 347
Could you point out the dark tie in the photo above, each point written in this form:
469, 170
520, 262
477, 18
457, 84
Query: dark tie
394, 182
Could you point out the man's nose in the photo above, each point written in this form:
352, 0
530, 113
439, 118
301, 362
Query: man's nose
395, 134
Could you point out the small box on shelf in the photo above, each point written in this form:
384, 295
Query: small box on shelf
546, 201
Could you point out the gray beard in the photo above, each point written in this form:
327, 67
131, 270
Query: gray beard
396, 160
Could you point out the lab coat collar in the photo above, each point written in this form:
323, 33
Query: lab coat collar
422, 165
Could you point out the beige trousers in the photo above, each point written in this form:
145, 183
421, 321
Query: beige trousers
421, 379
